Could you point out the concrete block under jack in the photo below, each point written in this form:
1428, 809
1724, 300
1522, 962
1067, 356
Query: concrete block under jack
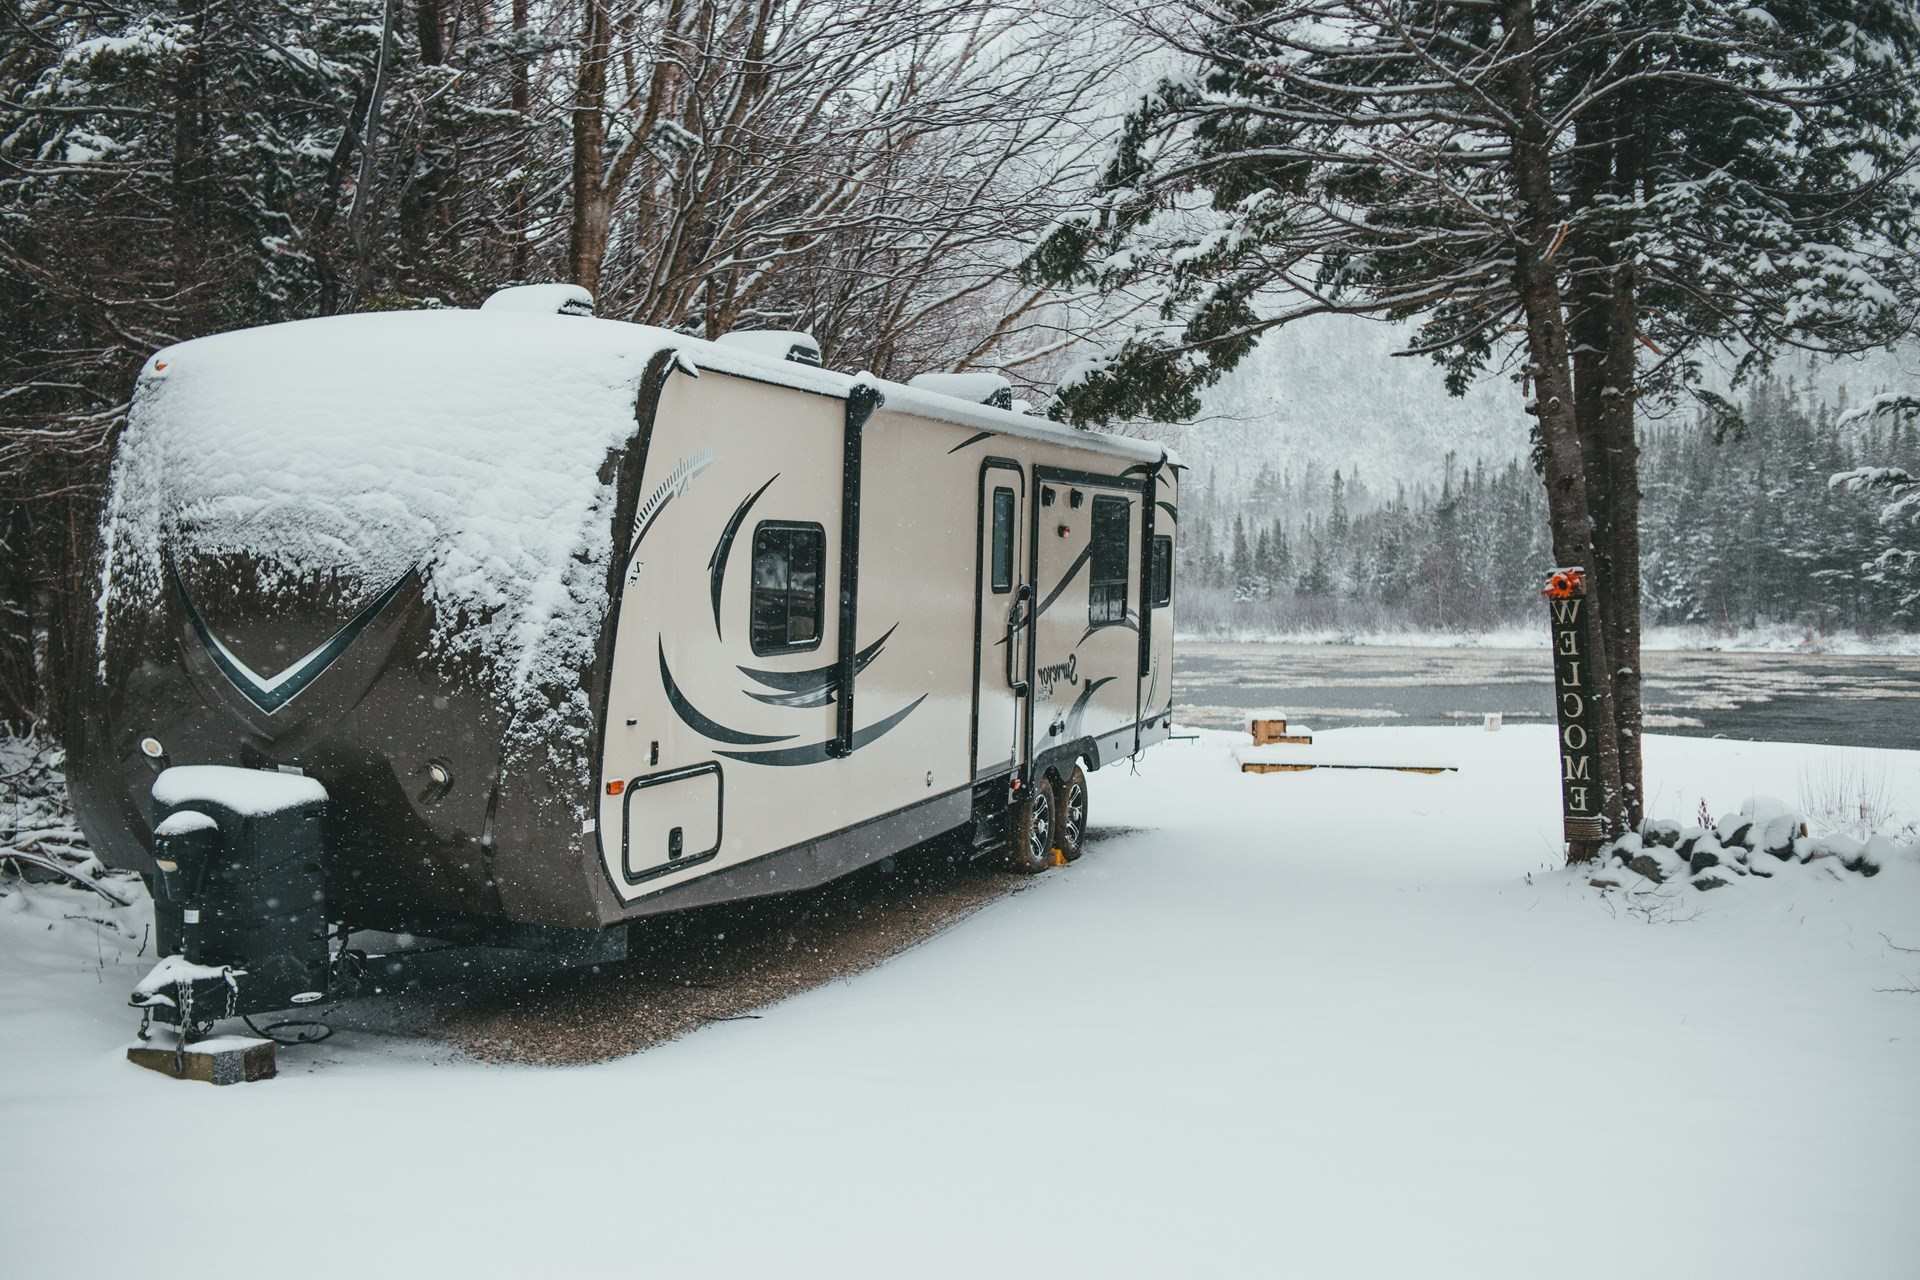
220, 1060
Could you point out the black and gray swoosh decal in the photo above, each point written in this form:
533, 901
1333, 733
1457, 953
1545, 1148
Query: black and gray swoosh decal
701, 724
1079, 710
972, 439
270, 693
1167, 507
1073, 571
717, 563
817, 752
812, 688
1131, 623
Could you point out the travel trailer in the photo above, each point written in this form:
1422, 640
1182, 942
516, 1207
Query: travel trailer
511, 626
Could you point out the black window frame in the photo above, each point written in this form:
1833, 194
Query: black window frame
1103, 589
1159, 583
1000, 558
755, 590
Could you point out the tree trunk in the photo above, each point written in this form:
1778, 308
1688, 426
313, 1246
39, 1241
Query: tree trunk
431, 31
521, 100
19, 671
319, 231
192, 174
1621, 449
357, 216
592, 207
430, 171
1569, 516
1591, 260
1604, 324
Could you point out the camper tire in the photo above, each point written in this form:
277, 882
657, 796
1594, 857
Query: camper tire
1031, 841
1070, 822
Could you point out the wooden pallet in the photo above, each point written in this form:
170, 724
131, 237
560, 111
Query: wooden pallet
1260, 766
1279, 758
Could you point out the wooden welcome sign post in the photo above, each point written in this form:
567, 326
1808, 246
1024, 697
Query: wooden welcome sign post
1566, 593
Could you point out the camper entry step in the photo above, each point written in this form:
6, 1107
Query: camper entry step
1269, 733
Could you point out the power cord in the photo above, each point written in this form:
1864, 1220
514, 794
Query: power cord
311, 1030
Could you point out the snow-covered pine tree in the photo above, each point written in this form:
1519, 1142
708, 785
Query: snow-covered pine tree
1891, 561
1240, 565
1591, 176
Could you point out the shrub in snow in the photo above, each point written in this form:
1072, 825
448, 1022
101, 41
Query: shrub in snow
39, 841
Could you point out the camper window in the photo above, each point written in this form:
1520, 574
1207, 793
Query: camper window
1107, 596
1002, 540
1162, 581
788, 586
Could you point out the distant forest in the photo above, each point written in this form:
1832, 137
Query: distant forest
1740, 529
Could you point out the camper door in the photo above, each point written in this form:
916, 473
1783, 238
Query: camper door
1005, 608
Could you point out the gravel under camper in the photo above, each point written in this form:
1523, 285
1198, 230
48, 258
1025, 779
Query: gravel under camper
506, 627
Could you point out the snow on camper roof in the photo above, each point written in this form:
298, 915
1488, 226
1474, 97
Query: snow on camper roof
468, 445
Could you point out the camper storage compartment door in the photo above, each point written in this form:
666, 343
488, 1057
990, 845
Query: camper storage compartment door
672, 820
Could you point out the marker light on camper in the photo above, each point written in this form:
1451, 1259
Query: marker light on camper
615, 787
151, 748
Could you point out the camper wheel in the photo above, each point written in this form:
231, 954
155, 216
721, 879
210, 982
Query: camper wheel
1031, 842
1071, 793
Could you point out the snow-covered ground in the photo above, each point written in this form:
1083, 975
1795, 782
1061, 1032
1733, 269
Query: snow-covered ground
1289, 1025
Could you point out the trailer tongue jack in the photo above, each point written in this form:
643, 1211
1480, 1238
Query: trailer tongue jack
240, 909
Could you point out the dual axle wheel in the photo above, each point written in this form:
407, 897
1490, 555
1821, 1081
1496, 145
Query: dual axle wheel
1050, 826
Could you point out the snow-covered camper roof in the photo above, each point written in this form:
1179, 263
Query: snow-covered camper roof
468, 445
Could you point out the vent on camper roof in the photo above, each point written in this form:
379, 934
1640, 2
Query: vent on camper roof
775, 344
980, 388
542, 299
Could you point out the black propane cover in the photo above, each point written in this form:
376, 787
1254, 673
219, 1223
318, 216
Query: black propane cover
246, 890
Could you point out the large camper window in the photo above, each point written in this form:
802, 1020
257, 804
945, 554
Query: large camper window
788, 586
1107, 596
1002, 540
1162, 580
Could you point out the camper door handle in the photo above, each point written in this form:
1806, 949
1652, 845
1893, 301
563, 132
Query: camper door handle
1016, 619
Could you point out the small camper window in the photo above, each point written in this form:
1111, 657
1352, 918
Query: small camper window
1162, 580
1002, 540
788, 586
1107, 594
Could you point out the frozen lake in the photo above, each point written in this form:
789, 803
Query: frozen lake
1776, 697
